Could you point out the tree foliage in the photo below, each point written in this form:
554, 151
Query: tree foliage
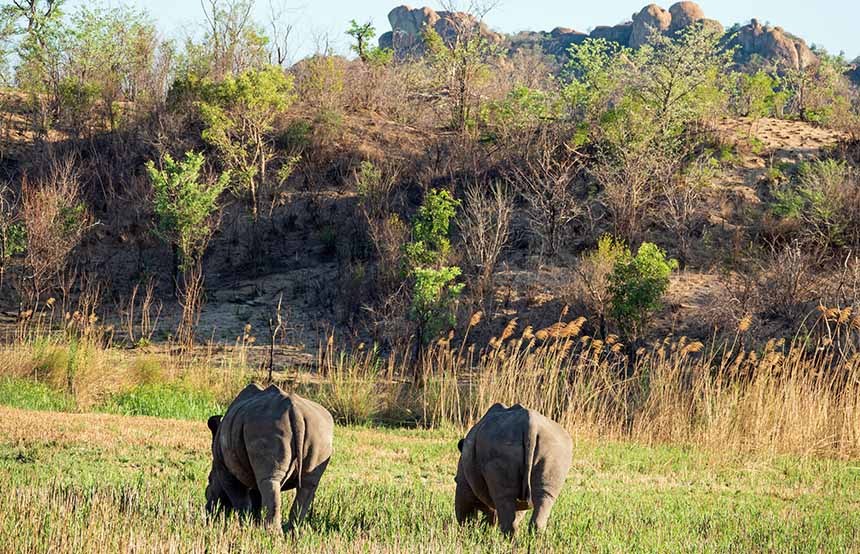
239, 113
184, 204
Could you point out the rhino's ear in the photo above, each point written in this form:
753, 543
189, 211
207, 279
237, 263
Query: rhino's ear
460, 445
213, 423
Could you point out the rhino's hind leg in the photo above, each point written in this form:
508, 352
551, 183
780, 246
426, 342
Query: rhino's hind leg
270, 499
305, 495
507, 514
543, 502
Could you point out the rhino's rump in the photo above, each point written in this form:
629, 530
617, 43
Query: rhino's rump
263, 434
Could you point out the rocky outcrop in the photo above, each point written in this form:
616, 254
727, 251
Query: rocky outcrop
652, 19
555, 43
773, 45
684, 14
618, 33
755, 41
408, 25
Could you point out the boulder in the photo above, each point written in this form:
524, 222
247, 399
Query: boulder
408, 24
683, 15
618, 33
774, 45
652, 19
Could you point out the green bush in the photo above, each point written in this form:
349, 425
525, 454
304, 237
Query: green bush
434, 291
637, 285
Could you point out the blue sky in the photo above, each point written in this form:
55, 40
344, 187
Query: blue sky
832, 24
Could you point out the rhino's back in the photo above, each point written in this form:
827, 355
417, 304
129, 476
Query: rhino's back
502, 433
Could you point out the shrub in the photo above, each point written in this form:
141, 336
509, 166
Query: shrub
433, 289
821, 204
637, 285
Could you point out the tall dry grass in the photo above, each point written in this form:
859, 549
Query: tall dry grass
800, 396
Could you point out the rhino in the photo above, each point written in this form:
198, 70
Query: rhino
268, 441
512, 460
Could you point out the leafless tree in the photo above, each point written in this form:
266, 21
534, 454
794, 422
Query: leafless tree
485, 222
545, 177
230, 30
632, 173
281, 29
55, 219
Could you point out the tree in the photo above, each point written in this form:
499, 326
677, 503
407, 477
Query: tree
461, 65
184, 205
595, 73
13, 234
38, 27
239, 113
433, 288
637, 285
55, 220
233, 42
485, 227
545, 176
362, 34
110, 56
679, 77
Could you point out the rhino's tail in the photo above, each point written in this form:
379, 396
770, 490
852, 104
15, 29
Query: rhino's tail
298, 424
530, 439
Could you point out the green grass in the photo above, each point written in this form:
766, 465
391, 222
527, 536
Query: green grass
166, 400
95, 483
173, 400
33, 395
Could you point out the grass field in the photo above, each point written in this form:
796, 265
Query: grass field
113, 483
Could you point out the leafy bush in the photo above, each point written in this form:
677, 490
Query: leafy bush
637, 285
434, 291
184, 204
822, 204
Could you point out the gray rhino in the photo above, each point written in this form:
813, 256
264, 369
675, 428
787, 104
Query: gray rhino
267, 442
513, 459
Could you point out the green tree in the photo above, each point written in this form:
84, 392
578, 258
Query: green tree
680, 77
595, 73
362, 34
36, 27
434, 290
184, 204
13, 234
239, 113
637, 285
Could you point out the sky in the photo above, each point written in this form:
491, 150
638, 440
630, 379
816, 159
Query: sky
829, 23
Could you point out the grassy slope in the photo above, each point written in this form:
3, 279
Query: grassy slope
99, 483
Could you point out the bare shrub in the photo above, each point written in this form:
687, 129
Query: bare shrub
591, 287
545, 178
141, 315
484, 223
681, 204
788, 282
55, 219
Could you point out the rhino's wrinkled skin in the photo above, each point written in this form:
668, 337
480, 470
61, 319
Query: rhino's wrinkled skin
513, 459
268, 441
